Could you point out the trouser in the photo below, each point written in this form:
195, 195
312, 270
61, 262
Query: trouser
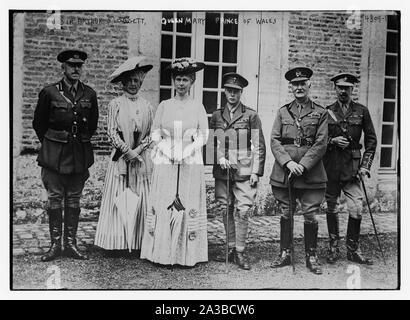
310, 200
240, 197
67, 187
353, 193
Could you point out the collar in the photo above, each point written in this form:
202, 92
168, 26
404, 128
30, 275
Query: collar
304, 103
68, 84
132, 97
233, 109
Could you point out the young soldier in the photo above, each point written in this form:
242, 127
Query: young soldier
64, 120
298, 142
347, 120
245, 158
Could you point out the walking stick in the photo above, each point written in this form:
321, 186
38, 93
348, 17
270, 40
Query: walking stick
292, 249
371, 217
227, 219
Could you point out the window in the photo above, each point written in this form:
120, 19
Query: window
211, 37
220, 56
176, 42
389, 141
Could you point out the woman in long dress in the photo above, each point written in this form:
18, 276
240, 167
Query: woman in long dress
174, 235
129, 127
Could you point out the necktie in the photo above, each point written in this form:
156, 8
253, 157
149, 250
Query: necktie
73, 91
344, 108
300, 109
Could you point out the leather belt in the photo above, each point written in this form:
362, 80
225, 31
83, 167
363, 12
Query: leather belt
297, 142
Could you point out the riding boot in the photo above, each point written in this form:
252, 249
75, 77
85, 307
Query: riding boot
284, 258
55, 224
352, 242
312, 262
333, 229
71, 217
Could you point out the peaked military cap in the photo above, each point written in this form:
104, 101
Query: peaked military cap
298, 74
234, 80
345, 79
72, 55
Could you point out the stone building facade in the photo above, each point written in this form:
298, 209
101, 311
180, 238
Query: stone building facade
260, 45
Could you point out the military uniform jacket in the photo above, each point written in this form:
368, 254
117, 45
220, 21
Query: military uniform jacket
343, 164
64, 125
303, 139
246, 148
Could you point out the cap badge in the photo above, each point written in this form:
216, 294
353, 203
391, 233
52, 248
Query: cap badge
76, 56
298, 73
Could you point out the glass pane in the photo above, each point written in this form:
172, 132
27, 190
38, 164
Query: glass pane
393, 22
223, 99
385, 157
186, 25
167, 19
209, 100
166, 46
228, 69
389, 88
183, 47
165, 75
164, 94
387, 134
211, 77
212, 50
392, 42
391, 66
231, 28
388, 111
212, 21
230, 51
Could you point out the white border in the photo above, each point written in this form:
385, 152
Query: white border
5, 293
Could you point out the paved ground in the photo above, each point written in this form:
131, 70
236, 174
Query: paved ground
34, 238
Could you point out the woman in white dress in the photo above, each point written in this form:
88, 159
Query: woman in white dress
174, 235
129, 127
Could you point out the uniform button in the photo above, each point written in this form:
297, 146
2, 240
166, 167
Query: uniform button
75, 113
75, 103
75, 122
74, 136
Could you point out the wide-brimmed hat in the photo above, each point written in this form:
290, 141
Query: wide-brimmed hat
345, 79
298, 74
72, 55
183, 66
131, 64
234, 80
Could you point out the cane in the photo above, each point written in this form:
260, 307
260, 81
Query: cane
227, 219
371, 217
292, 249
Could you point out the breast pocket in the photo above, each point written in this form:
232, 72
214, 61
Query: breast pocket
86, 108
288, 129
310, 126
355, 120
59, 111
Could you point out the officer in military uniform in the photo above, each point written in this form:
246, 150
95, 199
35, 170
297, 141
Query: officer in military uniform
298, 143
64, 120
240, 146
343, 162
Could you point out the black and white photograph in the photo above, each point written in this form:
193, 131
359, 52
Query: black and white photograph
205, 150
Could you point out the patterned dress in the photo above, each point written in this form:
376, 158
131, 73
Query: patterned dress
172, 236
129, 121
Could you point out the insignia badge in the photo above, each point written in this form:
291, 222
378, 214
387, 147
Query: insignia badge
192, 213
298, 73
234, 80
192, 235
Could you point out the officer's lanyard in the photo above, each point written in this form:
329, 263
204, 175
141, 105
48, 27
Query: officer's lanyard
61, 91
338, 122
297, 122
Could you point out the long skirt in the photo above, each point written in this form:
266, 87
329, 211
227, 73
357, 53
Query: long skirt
176, 236
111, 230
